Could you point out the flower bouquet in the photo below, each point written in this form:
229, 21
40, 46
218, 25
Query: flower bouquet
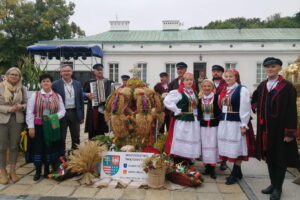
156, 167
185, 175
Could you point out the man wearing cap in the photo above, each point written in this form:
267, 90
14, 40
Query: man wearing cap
95, 123
217, 75
124, 78
275, 103
181, 69
71, 92
162, 89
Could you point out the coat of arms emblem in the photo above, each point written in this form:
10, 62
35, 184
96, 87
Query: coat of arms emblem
111, 164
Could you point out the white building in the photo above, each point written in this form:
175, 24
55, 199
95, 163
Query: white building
156, 51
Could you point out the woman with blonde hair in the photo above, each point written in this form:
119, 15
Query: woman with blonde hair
184, 135
209, 113
13, 99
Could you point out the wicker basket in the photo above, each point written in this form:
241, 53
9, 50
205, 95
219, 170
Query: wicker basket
156, 178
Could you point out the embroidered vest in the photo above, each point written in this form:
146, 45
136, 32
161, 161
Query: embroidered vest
214, 112
41, 104
234, 106
186, 108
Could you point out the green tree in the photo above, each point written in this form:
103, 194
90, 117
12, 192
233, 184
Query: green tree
274, 21
24, 22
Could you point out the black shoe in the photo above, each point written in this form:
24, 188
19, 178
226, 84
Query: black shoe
207, 170
239, 173
190, 162
46, 171
276, 194
232, 179
38, 171
268, 190
223, 165
212, 172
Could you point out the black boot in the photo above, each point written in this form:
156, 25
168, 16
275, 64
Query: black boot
233, 176
38, 171
223, 165
207, 169
239, 172
280, 174
272, 175
46, 170
212, 172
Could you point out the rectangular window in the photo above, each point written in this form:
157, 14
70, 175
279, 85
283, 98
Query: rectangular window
260, 73
114, 72
230, 65
143, 73
171, 70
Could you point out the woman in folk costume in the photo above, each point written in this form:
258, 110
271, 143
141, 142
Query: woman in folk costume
275, 103
234, 101
209, 112
44, 109
184, 134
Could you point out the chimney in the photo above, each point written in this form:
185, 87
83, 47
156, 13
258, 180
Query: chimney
171, 25
119, 25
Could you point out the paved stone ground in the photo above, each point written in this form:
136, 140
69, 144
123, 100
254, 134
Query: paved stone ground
255, 178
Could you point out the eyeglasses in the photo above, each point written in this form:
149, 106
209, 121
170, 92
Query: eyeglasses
13, 74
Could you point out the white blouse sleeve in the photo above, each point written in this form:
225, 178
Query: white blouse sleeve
61, 110
245, 107
171, 100
30, 111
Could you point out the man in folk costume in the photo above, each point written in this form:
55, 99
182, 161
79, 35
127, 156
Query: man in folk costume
181, 68
184, 135
162, 89
95, 122
124, 78
217, 74
275, 103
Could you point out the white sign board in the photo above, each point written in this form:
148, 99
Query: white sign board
124, 165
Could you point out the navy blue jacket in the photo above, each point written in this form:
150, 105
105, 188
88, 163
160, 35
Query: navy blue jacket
58, 87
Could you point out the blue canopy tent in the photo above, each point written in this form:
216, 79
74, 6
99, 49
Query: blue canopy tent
66, 51
68, 54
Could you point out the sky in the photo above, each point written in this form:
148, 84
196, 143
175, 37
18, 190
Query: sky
93, 16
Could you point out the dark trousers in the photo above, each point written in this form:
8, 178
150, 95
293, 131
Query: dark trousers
100, 128
70, 120
165, 125
276, 174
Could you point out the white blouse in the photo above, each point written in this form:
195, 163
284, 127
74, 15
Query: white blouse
173, 98
30, 108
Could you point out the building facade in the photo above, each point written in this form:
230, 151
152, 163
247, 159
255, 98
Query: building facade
158, 51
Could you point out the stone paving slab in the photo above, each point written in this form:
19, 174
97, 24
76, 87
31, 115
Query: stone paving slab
61, 191
210, 196
178, 195
39, 190
85, 192
108, 193
157, 194
136, 194
15, 189
290, 191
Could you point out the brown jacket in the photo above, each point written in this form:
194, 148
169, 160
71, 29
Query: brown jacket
4, 114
